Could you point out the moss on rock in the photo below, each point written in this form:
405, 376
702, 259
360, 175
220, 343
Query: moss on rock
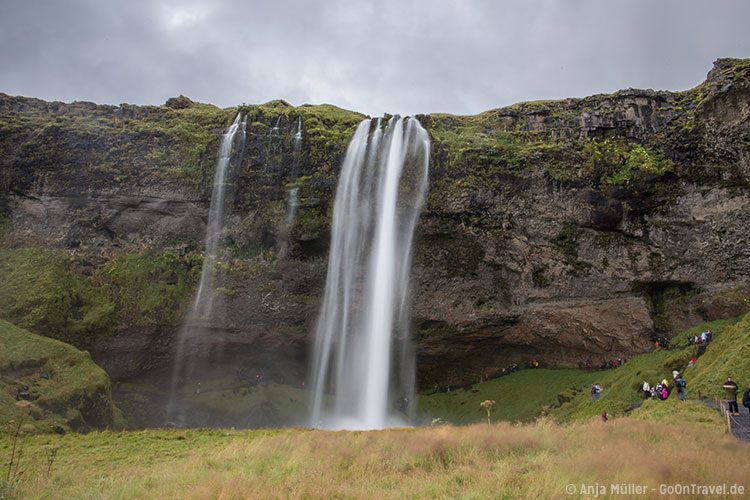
53, 294
150, 287
618, 163
42, 293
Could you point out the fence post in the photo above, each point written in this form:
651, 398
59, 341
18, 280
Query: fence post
729, 423
724, 414
727, 418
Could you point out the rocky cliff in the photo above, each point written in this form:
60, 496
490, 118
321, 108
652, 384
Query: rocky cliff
568, 231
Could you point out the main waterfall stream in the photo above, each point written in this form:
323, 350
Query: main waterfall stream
363, 363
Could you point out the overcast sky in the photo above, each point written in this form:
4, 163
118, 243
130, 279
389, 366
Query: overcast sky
396, 56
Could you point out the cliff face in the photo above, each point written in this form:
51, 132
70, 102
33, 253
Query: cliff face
569, 231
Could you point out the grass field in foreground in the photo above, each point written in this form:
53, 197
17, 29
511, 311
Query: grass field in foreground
480, 461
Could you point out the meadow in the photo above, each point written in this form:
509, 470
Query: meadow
683, 445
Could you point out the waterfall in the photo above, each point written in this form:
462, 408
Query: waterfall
275, 129
298, 134
204, 305
291, 209
292, 200
363, 364
204, 299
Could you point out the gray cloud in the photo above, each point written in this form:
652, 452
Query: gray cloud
405, 56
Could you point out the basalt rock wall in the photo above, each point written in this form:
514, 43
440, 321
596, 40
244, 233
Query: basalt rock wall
569, 232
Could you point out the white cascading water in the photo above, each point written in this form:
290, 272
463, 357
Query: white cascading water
204, 299
203, 306
293, 197
363, 364
275, 129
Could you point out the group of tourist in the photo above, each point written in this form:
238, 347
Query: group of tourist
605, 365
663, 389
703, 339
663, 343
510, 369
613, 363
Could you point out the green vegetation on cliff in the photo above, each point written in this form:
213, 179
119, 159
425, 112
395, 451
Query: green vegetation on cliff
271, 162
109, 144
66, 389
471, 153
189, 137
51, 293
619, 163
475, 154
149, 288
42, 293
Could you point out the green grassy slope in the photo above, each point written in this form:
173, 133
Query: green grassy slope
622, 386
675, 411
564, 394
727, 355
67, 388
48, 292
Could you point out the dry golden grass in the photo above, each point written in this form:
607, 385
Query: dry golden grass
482, 461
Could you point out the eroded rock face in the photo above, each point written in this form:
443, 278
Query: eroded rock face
568, 232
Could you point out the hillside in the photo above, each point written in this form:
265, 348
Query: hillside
65, 390
564, 394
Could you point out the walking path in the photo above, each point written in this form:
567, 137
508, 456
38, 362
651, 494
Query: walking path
739, 425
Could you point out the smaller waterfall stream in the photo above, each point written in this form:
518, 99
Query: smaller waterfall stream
362, 357
204, 305
204, 299
292, 200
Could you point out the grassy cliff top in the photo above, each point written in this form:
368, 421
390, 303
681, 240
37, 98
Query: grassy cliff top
603, 140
